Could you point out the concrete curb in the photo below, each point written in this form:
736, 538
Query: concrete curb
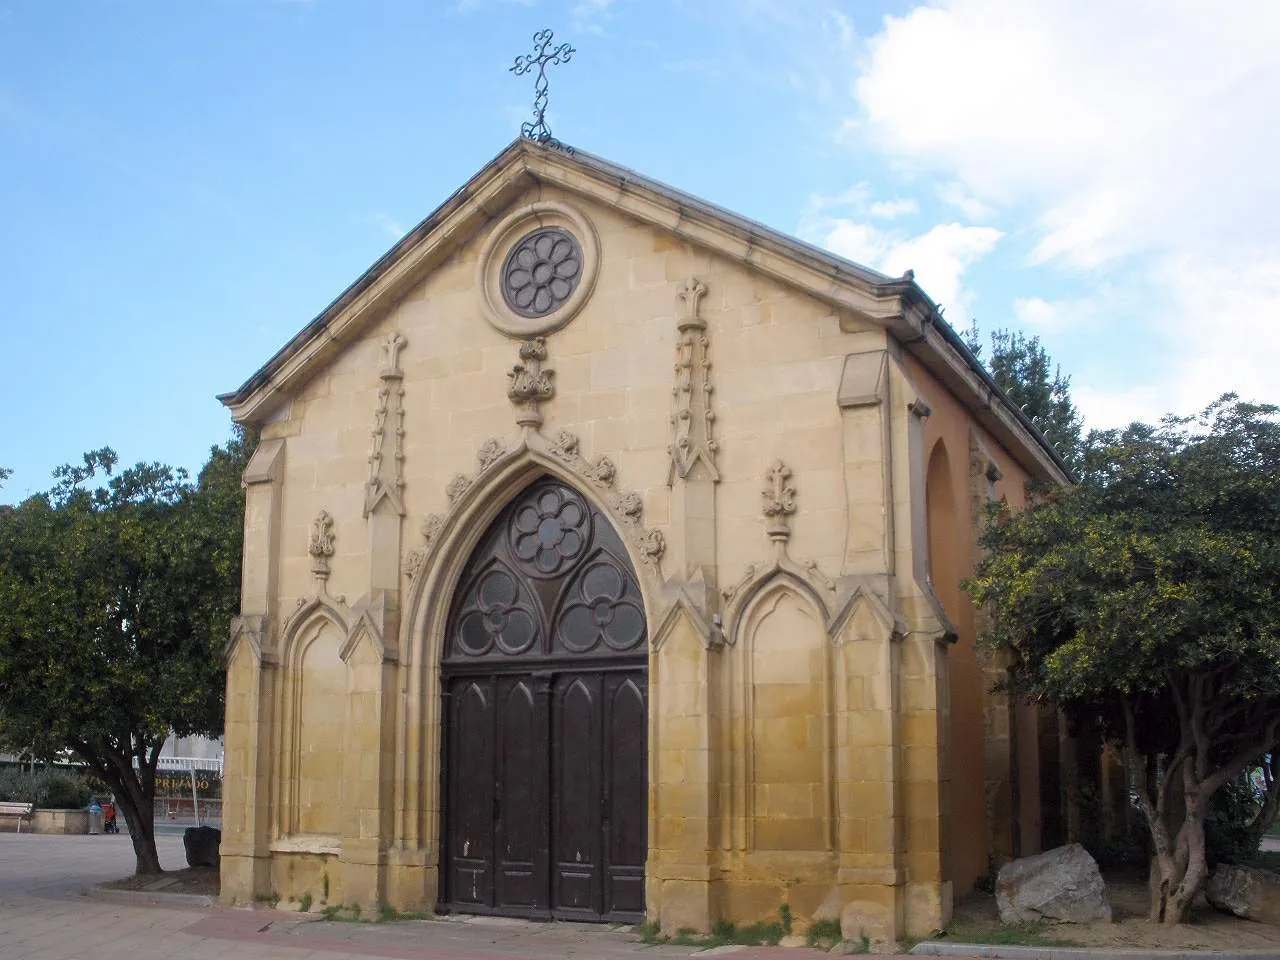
934, 949
154, 898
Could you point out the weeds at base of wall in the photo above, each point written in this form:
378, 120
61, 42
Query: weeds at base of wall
304, 904
343, 913
823, 933
1030, 933
722, 934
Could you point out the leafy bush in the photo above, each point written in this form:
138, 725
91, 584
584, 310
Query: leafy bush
1231, 832
49, 789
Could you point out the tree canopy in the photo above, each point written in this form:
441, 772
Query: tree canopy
1148, 598
1022, 368
115, 603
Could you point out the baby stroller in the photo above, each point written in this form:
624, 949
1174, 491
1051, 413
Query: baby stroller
109, 824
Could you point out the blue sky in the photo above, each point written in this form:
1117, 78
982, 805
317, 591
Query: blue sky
185, 185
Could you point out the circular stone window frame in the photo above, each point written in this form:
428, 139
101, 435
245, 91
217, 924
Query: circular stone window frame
505, 237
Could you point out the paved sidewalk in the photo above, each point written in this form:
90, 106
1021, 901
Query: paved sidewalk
45, 915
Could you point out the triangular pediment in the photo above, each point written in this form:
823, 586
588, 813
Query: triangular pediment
525, 167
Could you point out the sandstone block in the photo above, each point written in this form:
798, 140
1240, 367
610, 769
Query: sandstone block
1245, 891
1060, 884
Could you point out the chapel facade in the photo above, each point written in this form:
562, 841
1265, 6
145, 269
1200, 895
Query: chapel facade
602, 561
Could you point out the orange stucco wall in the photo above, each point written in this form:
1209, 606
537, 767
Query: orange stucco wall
954, 516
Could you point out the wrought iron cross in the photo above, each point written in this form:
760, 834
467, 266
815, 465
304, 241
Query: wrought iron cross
537, 129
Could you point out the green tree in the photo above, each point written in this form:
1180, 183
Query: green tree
1022, 368
115, 602
1147, 599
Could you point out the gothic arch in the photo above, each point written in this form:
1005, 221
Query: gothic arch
781, 675
318, 618
435, 577
944, 529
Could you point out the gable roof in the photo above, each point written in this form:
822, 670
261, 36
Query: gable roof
897, 303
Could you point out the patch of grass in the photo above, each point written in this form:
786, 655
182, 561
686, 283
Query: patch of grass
389, 914
823, 933
305, 903
863, 944
784, 917
1028, 934
722, 934
342, 913
270, 900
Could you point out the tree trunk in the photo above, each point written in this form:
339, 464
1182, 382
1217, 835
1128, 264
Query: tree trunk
138, 805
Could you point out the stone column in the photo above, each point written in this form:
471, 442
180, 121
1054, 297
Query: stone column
683, 837
371, 653
252, 677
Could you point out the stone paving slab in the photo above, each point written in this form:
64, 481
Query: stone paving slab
45, 914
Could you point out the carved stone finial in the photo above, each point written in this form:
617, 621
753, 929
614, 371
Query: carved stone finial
779, 502
320, 546
692, 418
531, 385
386, 468
392, 344
691, 293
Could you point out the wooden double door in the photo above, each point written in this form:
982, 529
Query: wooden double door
545, 754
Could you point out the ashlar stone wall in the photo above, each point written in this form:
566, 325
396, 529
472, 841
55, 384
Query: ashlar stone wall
763, 454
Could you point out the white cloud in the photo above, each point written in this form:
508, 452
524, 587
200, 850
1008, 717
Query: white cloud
1124, 125
1136, 139
939, 257
1044, 316
890, 209
955, 194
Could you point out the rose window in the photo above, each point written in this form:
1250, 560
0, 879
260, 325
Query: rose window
604, 611
498, 616
541, 272
549, 533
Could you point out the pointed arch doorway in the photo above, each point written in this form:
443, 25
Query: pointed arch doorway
545, 677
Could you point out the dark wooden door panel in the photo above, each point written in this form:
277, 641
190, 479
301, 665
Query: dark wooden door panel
544, 667
625, 793
576, 748
471, 794
521, 816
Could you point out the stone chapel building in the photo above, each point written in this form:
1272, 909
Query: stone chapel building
602, 561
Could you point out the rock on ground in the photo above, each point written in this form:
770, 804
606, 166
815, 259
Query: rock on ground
202, 846
1245, 891
1060, 884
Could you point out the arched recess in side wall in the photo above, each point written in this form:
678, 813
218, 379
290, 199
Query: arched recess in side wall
784, 657
944, 530
964, 756
314, 717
